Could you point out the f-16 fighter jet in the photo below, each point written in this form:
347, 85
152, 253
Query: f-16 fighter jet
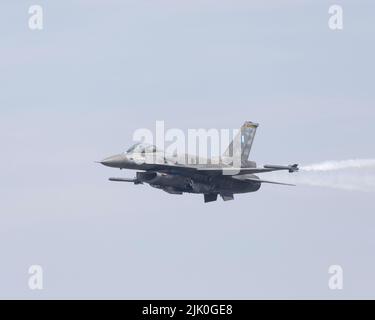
233, 173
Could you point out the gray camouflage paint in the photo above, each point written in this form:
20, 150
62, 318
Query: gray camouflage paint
163, 172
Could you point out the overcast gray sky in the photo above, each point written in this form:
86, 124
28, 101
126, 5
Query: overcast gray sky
76, 91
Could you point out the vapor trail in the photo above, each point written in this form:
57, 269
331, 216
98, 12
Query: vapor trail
353, 174
339, 165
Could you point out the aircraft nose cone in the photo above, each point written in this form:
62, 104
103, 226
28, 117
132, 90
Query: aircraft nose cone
113, 161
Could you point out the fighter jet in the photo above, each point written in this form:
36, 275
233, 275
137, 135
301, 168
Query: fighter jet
224, 177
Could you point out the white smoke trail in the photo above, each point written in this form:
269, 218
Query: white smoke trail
339, 165
353, 174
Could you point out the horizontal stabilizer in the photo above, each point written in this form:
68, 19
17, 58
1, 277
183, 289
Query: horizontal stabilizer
267, 181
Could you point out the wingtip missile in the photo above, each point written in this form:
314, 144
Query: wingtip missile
291, 168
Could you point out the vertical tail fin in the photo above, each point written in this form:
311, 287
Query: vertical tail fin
242, 143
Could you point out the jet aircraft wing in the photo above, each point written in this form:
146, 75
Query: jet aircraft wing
217, 170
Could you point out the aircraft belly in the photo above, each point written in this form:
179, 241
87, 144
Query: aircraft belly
223, 185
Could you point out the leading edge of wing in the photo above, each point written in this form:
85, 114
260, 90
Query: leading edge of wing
207, 169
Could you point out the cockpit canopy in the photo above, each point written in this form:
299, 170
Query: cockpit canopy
142, 148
